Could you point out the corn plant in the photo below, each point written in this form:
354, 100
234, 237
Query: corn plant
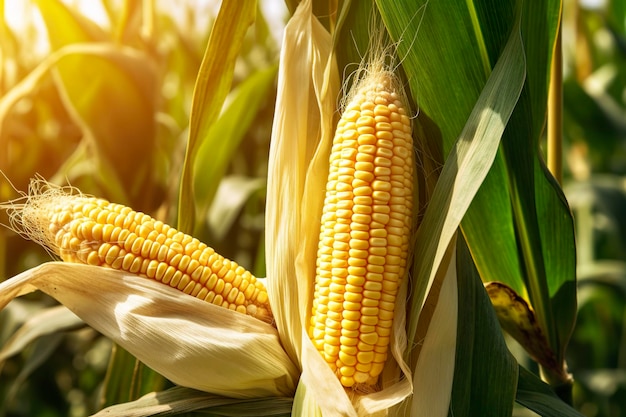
411, 226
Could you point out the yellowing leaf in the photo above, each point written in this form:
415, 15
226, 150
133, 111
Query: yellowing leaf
518, 319
65, 26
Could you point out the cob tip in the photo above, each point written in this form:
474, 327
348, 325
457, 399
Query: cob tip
29, 215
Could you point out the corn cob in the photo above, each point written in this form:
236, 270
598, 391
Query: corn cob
94, 231
365, 229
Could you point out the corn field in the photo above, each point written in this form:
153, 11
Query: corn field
312, 208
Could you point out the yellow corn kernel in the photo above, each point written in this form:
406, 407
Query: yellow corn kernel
365, 227
93, 231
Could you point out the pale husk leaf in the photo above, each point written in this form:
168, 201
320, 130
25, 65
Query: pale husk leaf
304, 404
300, 119
191, 342
434, 372
179, 400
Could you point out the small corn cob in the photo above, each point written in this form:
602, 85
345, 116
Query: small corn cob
365, 230
93, 231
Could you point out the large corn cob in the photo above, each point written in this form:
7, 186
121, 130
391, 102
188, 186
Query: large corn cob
365, 232
93, 231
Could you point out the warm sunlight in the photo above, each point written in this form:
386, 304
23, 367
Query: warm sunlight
312, 208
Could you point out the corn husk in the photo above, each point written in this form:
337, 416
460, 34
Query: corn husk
434, 370
302, 134
193, 343
178, 401
307, 86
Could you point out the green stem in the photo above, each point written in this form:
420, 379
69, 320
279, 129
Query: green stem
535, 273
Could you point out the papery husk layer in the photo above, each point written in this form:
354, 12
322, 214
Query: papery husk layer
307, 86
191, 342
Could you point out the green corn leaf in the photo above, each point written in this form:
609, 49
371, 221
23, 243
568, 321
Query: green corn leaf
537, 396
446, 66
118, 86
485, 373
212, 87
128, 379
542, 218
542, 235
519, 209
468, 162
233, 193
42, 350
224, 137
352, 38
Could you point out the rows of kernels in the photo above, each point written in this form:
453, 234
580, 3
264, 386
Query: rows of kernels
96, 232
364, 237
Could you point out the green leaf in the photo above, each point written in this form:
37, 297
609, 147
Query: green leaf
543, 221
233, 193
519, 209
212, 87
616, 15
536, 395
352, 37
472, 155
127, 379
585, 120
485, 374
489, 221
111, 97
42, 350
225, 135
65, 26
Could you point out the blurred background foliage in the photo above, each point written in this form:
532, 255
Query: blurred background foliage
98, 94
594, 113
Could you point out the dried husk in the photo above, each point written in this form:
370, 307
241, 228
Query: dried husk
191, 342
